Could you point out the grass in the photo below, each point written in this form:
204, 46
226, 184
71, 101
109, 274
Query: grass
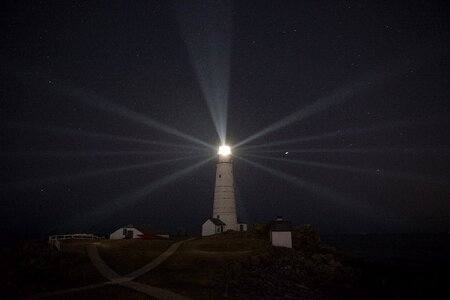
107, 292
123, 256
214, 267
199, 269
37, 267
126, 256
202, 268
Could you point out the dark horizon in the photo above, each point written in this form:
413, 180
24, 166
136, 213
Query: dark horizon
339, 112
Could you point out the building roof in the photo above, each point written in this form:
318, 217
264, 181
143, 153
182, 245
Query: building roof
217, 221
280, 226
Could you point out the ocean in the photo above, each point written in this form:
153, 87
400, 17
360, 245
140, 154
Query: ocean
426, 248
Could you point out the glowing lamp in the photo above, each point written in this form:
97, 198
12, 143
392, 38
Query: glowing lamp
224, 150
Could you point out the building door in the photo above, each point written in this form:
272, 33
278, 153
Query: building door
129, 235
241, 227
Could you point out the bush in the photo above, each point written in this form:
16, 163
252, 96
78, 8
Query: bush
306, 240
258, 231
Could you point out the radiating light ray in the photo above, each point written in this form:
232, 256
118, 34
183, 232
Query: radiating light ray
371, 172
352, 131
308, 186
49, 154
104, 136
325, 193
206, 26
355, 150
88, 174
338, 96
103, 104
330, 135
99, 213
96, 101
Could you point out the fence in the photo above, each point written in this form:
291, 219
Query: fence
55, 240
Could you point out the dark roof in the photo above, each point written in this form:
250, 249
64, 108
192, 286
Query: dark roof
217, 221
280, 226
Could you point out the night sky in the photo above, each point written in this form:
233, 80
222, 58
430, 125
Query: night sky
361, 87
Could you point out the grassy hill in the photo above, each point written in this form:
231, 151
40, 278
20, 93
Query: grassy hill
36, 267
205, 268
228, 266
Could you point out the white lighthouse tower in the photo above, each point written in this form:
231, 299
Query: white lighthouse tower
224, 209
224, 203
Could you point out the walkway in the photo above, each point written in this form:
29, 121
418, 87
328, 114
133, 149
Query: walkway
127, 281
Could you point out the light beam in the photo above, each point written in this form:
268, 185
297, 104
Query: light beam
99, 213
338, 96
87, 174
322, 191
96, 135
95, 101
371, 172
49, 154
351, 131
102, 104
207, 28
355, 150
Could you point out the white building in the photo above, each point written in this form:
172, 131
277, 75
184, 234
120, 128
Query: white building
212, 226
224, 208
281, 233
142, 231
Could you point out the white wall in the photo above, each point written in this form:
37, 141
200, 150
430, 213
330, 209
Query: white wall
208, 228
281, 238
243, 225
224, 202
118, 234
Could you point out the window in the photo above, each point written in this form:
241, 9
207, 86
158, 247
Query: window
124, 231
241, 227
218, 217
220, 176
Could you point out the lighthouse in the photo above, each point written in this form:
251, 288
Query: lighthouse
224, 207
224, 215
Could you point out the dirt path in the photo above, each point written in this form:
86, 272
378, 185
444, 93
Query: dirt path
100, 264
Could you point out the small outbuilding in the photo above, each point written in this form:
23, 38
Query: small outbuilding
137, 231
242, 226
212, 226
281, 233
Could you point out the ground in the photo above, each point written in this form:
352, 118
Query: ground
226, 266
194, 270
204, 268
